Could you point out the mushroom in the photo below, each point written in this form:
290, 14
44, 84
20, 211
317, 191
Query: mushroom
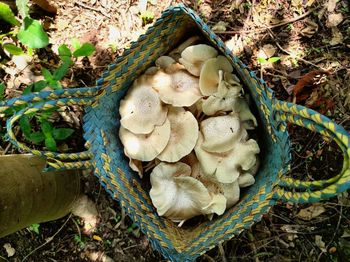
183, 135
163, 62
245, 180
141, 109
242, 108
135, 165
176, 53
209, 78
225, 167
220, 133
145, 147
224, 99
178, 196
193, 57
177, 88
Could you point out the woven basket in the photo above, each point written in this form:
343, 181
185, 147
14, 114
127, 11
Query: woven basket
105, 151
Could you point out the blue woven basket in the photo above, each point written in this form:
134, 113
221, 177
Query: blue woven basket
105, 151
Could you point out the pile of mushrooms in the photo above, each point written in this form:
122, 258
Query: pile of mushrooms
188, 121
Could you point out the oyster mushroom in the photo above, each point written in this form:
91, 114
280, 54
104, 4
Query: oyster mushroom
145, 147
220, 133
224, 99
178, 196
242, 108
141, 109
135, 165
164, 61
225, 167
209, 78
193, 57
177, 88
183, 135
245, 180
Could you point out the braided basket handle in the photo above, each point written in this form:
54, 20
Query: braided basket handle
42, 101
320, 189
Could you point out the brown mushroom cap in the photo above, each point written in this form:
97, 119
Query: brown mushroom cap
141, 109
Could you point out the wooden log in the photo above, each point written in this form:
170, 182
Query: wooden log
29, 196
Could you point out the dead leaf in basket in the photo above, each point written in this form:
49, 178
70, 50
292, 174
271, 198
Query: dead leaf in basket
320, 243
311, 212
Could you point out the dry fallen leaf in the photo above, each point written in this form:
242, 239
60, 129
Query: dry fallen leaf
320, 243
99, 256
310, 28
220, 26
266, 51
9, 249
331, 5
311, 212
334, 20
337, 37
86, 210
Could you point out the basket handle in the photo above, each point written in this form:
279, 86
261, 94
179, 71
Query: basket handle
320, 189
56, 161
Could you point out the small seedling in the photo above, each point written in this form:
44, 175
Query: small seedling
79, 241
35, 228
271, 60
147, 17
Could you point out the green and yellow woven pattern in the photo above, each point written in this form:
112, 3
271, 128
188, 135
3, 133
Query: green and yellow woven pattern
105, 152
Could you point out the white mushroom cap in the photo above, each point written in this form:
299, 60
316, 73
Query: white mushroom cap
178, 88
164, 61
176, 53
178, 196
229, 85
141, 109
209, 77
194, 56
213, 105
246, 180
145, 147
226, 167
220, 133
242, 108
183, 135
216, 166
135, 165
231, 192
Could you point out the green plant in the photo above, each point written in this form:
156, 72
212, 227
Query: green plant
79, 241
35, 228
29, 32
271, 60
147, 17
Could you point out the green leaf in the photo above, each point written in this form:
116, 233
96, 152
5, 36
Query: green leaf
50, 143
39, 85
34, 228
273, 59
62, 133
46, 127
75, 43
22, 6
64, 52
54, 84
36, 137
12, 49
25, 125
62, 70
2, 91
32, 34
261, 60
47, 74
85, 50
7, 15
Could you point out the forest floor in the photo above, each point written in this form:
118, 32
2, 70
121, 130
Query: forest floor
310, 41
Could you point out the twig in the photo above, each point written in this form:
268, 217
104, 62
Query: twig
10, 144
288, 21
92, 9
222, 253
48, 240
285, 51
